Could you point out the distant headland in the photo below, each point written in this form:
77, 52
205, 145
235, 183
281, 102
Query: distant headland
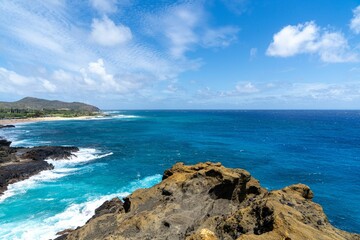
30, 109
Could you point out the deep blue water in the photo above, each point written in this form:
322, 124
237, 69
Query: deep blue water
133, 148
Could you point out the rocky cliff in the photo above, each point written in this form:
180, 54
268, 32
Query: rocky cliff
209, 201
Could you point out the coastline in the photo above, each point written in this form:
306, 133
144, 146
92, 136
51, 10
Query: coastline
20, 163
15, 121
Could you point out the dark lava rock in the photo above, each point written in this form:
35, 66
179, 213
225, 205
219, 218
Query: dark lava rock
42, 153
20, 171
7, 126
5, 143
17, 164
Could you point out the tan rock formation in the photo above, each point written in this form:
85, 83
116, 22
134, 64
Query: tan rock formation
207, 201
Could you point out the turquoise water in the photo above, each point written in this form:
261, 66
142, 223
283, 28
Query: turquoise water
131, 149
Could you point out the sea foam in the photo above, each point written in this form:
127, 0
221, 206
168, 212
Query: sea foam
74, 215
114, 116
61, 169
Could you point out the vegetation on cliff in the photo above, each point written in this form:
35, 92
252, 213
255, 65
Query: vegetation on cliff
34, 107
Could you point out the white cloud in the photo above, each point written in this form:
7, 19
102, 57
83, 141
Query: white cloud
62, 76
41, 34
309, 38
325, 91
185, 27
355, 21
50, 36
97, 78
19, 84
48, 85
106, 33
107, 80
283, 95
180, 26
247, 87
253, 53
220, 37
292, 40
12, 78
104, 6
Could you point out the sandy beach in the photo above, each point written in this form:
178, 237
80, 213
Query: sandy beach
41, 119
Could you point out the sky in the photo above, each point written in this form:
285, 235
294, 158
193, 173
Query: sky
159, 54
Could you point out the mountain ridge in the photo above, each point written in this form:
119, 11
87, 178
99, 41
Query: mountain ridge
32, 103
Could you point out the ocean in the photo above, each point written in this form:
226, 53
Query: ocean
131, 149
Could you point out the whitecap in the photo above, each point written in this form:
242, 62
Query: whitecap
61, 169
125, 116
34, 181
114, 116
76, 214
84, 155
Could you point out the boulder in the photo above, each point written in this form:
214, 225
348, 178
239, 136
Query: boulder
4, 143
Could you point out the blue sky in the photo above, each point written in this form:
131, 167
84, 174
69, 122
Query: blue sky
225, 54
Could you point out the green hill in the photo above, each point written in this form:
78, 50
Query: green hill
35, 107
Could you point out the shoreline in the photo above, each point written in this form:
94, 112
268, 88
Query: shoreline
20, 163
15, 121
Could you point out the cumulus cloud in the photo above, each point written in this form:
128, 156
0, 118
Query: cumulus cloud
292, 40
309, 38
49, 35
97, 78
106, 33
355, 21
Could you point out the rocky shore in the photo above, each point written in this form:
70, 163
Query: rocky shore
17, 164
207, 201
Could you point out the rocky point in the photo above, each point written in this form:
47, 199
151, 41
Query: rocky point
207, 201
18, 163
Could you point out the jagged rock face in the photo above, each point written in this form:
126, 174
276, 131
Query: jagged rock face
209, 201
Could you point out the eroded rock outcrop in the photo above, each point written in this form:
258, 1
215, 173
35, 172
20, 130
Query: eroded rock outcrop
17, 163
209, 201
